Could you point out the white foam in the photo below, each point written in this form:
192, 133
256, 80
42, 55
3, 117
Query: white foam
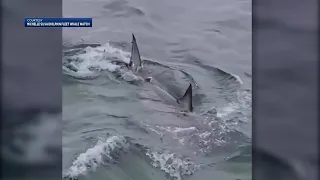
243, 102
173, 165
226, 110
82, 74
239, 108
129, 76
203, 139
98, 58
184, 131
205, 135
99, 154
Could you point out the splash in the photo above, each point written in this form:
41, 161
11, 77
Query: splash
103, 153
241, 103
237, 114
225, 127
203, 139
88, 61
107, 152
175, 166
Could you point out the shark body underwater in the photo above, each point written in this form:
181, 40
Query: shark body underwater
135, 65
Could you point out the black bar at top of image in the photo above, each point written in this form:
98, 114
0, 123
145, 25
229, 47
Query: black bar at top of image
285, 90
31, 92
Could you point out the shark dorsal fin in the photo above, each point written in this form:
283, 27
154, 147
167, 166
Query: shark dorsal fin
186, 99
135, 59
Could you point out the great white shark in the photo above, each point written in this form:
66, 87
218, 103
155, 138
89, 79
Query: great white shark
136, 66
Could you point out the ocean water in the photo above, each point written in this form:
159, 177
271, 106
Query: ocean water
116, 128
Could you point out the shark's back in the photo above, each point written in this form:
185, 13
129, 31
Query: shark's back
185, 102
163, 94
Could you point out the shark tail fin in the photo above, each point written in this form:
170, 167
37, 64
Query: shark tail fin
135, 59
186, 99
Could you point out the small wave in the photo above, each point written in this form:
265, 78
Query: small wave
103, 153
83, 75
175, 166
81, 46
217, 72
107, 152
226, 75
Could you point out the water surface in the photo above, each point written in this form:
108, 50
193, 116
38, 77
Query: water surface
118, 128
